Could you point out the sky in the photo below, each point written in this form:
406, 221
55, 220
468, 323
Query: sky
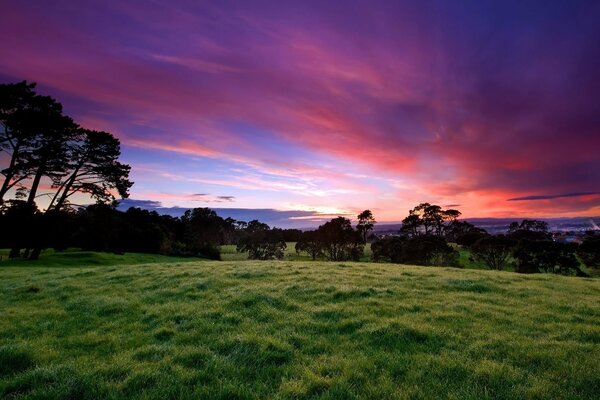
322, 108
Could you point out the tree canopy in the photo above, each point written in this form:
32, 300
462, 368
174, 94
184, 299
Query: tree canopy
41, 145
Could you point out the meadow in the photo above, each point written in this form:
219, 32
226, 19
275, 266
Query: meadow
293, 330
229, 253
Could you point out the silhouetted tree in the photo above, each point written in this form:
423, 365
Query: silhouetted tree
42, 143
411, 225
429, 250
389, 249
494, 251
203, 232
340, 241
17, 220
589, 251
463, 233
261, 242
93, 168
546, 256
291, 235
428, 219
419, 250
19, 112
309, 242
366, 222
529, 229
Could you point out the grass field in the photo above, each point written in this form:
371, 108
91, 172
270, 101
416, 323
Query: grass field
78, 258
229, 253
295, 330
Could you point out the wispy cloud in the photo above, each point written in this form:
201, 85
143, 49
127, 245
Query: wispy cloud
553, 196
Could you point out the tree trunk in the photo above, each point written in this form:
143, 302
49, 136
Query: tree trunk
10, 171
31, 200
35, 185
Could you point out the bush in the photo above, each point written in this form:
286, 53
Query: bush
388, 249
419, 250
469, 239
546, 256
210, 252
493, 251
589, 251
261, 242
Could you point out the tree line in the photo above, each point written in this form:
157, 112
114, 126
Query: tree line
528, 246
101, 227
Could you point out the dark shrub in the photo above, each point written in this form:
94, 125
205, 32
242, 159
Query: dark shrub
494, 251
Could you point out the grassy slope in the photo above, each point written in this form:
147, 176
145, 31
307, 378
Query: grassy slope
296, 330
78, 258
229, 253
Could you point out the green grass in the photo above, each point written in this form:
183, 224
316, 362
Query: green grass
229, 253
78, 258
295, 330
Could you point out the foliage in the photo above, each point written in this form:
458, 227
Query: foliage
93, 168
262, 242
546, 256
494, 251
389, 249
309, 243
463, 233
42, 144
589, 251
429, 250
419, 250
428, 219
529, 229
203, 232
339, 241
366, 222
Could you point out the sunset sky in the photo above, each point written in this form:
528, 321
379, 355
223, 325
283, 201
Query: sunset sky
325, 108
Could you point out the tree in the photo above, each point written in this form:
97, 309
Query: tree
428, 219
546, 256
589, 251
419, 250
411, 225
339, 241
15, 105
34, 135
203, 232
261, 242
529, 229
494, 251
366, 222
389, 249
463, 233
429, 250
93, 169
309, 242
41, 143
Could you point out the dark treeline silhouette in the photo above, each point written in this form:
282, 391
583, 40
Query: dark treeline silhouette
100, 227
336, 240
